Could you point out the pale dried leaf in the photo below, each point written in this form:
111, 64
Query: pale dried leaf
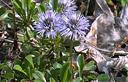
117, 63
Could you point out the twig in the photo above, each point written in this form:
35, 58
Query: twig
104, 50
113, 52
120, 52
10, 41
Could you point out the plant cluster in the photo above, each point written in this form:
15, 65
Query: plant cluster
52, 41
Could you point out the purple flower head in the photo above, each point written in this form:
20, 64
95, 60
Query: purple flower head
48, 24
68, 6
76, 26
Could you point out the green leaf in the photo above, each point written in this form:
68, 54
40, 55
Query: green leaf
39, 75
29, 4
91, 77
5, 15
2, 66
64, 72
8, 75
33, 11
17, 3
80, 63
30, 32
4, 80
38, 80
78, 79
103, 77
57, 65
19, 68
26, 4
124, 2
20, 11
2, 11
32, 7
23, 80
69, 76
55, 73
90, 66
55, 4
30, 60
19, 7
52, 80
42, 7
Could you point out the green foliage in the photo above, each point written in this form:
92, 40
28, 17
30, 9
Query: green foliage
39, 76
80, 64
26, 9
103, 77
19, 68
124, 2
3, 13
30, 60
78, 79
55, 4
42, 7
52, 80
90, 66
64, 75
40, 59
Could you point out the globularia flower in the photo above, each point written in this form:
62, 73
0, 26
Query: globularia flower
68, 6
49, 23
76, 26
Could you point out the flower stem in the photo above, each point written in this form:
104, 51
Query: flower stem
70, 53
57, 44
